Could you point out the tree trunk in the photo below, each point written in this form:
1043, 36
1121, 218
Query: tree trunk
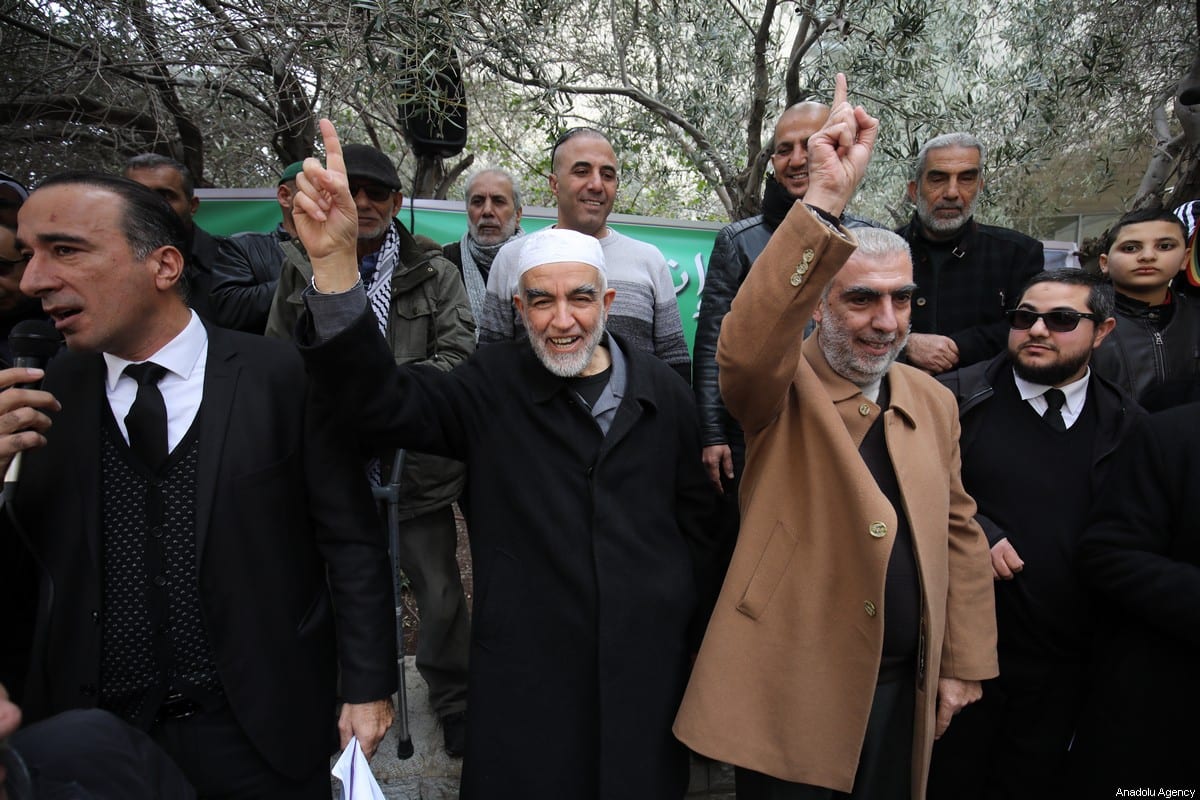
431, 178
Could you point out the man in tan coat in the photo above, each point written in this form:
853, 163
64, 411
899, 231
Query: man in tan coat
857, 614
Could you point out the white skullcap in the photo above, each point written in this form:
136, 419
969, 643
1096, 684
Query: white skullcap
555, 245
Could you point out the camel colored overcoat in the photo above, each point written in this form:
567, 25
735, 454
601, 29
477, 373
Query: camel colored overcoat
785, 677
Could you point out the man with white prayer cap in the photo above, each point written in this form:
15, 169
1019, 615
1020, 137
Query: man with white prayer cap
584, 503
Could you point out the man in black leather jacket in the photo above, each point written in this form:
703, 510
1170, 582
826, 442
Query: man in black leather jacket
734, 251
176, 185
247, 270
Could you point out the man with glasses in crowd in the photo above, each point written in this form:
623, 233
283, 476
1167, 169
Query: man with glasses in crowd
421, 308
1039, 429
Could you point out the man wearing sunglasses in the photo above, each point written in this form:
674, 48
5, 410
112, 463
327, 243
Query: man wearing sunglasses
1039, 429
422, 309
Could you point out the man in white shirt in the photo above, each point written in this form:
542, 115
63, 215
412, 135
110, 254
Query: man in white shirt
211, 558
1039, 430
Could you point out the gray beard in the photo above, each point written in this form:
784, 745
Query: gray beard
945, 227
835, 344
567, 366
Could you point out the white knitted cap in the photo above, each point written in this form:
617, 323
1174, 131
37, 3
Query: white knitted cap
557, 245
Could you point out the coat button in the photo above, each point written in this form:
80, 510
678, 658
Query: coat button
921, 301
795, 279
96, 617
160, 581
869, 607
809, 255
864, 409
878, 530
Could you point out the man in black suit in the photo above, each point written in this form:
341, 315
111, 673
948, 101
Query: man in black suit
210, 554
1040, 429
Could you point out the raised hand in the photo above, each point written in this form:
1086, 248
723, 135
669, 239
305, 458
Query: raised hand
838, 154
326, 218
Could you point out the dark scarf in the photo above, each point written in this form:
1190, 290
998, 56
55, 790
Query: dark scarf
776, 202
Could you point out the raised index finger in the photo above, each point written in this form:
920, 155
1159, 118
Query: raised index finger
333, 147
840, 93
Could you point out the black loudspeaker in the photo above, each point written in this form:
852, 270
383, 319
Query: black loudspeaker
435, 117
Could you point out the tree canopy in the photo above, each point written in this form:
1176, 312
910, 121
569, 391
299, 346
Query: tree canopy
1071, 96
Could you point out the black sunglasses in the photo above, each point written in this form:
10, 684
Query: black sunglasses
7, 266
375, 192
1022, 319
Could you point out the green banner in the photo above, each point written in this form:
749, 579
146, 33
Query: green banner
685, 246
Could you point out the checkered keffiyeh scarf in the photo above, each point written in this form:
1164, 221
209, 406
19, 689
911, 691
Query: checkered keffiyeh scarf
379, 290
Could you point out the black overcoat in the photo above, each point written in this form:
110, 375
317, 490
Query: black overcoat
291, 555
1141, 556
588, 550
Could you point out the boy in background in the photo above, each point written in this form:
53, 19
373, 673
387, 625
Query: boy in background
1157, 338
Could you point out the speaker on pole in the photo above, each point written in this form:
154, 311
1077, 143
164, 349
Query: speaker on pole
433, 108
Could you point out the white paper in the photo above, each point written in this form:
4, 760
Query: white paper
354, 772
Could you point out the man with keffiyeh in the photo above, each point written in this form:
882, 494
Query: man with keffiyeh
422, 310
493, 218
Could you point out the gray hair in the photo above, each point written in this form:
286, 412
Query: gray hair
956, 139
516, 188
875, 243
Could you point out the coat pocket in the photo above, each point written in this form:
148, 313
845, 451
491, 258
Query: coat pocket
772, 565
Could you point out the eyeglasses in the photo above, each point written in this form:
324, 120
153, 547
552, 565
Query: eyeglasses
1058, 321
7, 266
376, 193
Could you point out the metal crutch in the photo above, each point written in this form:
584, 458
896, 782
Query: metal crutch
389, 496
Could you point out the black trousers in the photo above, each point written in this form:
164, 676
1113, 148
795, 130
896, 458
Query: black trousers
91, 754
1014, 742
884, 768
222, 763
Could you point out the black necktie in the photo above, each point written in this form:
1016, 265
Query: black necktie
1054, 403
147, 417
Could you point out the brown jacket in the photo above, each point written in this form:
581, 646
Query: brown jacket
785, 677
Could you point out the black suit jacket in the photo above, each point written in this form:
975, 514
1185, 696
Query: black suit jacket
281, 506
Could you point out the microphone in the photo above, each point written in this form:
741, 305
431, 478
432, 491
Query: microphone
34, 342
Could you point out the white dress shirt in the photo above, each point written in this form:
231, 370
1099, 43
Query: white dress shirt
182, 387
1075, 392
